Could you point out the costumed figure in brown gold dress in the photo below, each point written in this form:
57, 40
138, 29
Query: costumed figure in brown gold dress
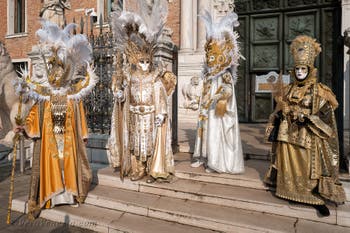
305, 153
140, 141
57, 124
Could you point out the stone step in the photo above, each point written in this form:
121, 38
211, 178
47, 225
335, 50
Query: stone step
251, 178
262, 201
107, 220
199, 214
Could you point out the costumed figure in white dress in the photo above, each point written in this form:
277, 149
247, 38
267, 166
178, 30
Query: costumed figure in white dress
218, 142
303, 131
60, 173
140, 141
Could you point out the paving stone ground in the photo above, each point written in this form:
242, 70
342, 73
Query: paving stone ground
19, 221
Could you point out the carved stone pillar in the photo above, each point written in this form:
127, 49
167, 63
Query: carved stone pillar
347, 39
202, 6
345, 27
186, 42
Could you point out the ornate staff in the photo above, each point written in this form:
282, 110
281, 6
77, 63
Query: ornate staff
19, 122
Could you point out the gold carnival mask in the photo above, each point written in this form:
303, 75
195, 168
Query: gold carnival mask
57, 70
218, 54
137, 54
305, 50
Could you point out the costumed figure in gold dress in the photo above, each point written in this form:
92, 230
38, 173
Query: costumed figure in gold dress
140, 141
218, 141
305, 153
57, 124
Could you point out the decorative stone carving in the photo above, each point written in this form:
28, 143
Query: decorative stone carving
242, 6
191, 93
265, 56
53, 10
347, 39
301, 25
224, 6
266, 29
301, 2
271, 4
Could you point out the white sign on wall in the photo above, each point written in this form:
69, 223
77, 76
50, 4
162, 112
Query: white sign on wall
264, 83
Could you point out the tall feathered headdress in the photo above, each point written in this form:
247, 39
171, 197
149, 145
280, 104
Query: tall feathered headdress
63, 55
74, 49
304, 50
222, 50
137, 35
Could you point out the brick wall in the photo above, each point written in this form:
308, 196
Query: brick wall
173, 20
19, 46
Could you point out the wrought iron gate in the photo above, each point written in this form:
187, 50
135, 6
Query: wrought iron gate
99, 104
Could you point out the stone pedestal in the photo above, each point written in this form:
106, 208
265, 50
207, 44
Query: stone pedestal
97, 150
190, 65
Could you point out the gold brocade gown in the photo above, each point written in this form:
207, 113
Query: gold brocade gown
305, 155
48, 165
136, 144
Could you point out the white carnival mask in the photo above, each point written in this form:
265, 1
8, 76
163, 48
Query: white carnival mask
301, 72
144, 64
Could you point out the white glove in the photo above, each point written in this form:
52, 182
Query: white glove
119, 95
203, 112
159, 120
216, 97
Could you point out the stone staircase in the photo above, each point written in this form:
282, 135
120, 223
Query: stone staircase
194, 201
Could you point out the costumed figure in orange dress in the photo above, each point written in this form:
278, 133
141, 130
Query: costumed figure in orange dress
57, 124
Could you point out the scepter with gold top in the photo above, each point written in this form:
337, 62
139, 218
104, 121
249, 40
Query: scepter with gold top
19, 122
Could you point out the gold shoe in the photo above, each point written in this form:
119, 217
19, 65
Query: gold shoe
150, 180
137, 176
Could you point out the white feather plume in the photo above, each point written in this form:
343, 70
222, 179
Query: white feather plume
219, 31
216, 30
74, 50
149, 24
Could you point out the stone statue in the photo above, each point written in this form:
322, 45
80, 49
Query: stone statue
8, 99
192, 94
53, 10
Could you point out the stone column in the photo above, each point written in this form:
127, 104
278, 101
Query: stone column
346, 25
186, 42
346, 92
201, 33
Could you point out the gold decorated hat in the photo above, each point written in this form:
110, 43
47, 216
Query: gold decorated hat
136, 53
304, 50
